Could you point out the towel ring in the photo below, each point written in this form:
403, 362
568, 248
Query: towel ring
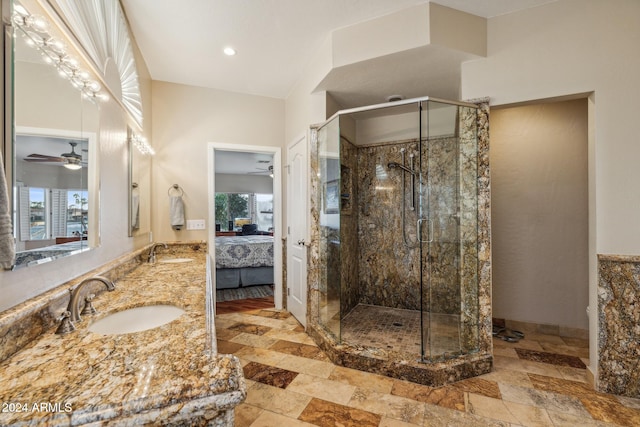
177, 188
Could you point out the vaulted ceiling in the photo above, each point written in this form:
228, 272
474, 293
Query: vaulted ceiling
182, 42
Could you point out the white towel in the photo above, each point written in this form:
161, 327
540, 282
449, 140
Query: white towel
7, 242
176, 212
135, 211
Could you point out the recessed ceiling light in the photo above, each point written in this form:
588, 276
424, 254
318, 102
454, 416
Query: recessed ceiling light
229, 51
394, 98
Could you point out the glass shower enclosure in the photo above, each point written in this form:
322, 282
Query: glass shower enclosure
397, 200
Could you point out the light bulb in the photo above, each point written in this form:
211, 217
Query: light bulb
56, 46
38, 23
93, 86
72, 63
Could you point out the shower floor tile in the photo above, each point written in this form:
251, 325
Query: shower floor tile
398, 330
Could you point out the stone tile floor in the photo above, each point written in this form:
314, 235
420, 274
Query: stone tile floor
539, 381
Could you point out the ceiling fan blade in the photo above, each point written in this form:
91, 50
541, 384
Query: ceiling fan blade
44, 156
44, 160
261, 171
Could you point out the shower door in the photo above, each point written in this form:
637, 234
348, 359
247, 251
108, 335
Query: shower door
447, 219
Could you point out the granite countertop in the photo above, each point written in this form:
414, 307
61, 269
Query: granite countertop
166, 373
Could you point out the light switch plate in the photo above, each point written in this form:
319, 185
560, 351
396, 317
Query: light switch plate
195, 224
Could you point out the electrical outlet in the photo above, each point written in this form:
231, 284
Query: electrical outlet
195, 224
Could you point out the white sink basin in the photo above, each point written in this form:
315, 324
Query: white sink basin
136, 319
175, 260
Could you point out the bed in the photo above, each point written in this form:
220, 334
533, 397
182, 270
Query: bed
243, 261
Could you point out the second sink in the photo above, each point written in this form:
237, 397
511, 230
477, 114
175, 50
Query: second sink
136, 319
174, 260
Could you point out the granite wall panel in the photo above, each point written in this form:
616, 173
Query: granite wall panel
619, 325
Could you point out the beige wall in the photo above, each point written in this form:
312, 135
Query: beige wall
572, 47
229, 183
569, 47
403, 30
303, 107
185, 120
539, 213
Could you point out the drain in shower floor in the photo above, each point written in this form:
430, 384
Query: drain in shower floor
397, 324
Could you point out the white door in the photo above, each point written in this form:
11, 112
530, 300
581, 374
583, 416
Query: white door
297, 213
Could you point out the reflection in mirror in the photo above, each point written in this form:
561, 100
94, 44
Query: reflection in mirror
140, 153
54, 153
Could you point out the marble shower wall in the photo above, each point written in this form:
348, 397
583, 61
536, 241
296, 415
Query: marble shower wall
389, 269
471, 147
381, 251
441, 253
619, 325
389, 263
350, 295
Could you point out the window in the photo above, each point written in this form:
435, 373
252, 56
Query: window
37, 214
77, 212
47, 213
264, 211
233, 209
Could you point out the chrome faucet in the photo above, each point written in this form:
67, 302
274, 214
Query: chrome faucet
75, 295
152, 252
72, 314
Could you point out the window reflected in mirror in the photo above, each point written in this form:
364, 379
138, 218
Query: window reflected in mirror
52, 201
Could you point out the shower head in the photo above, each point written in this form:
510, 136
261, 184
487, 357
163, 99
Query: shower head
393, 165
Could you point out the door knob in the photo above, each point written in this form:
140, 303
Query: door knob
301, 242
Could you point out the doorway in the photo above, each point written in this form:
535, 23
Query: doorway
244, 202
540, 216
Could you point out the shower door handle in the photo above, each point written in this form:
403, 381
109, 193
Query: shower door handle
419, 230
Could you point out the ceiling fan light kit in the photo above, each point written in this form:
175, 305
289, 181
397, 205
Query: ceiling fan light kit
73, 164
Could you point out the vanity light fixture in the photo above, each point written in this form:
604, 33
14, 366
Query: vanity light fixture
35, 29
229, 51
142, 145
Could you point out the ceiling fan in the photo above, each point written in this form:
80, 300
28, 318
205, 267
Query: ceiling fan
70, 160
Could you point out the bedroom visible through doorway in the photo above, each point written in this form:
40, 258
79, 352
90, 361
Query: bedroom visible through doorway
244, 203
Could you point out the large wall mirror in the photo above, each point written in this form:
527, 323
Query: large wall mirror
55, 180
139, 184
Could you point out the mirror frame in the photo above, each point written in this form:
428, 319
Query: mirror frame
7, 96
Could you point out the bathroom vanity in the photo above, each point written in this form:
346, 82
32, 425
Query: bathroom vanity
169, 374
